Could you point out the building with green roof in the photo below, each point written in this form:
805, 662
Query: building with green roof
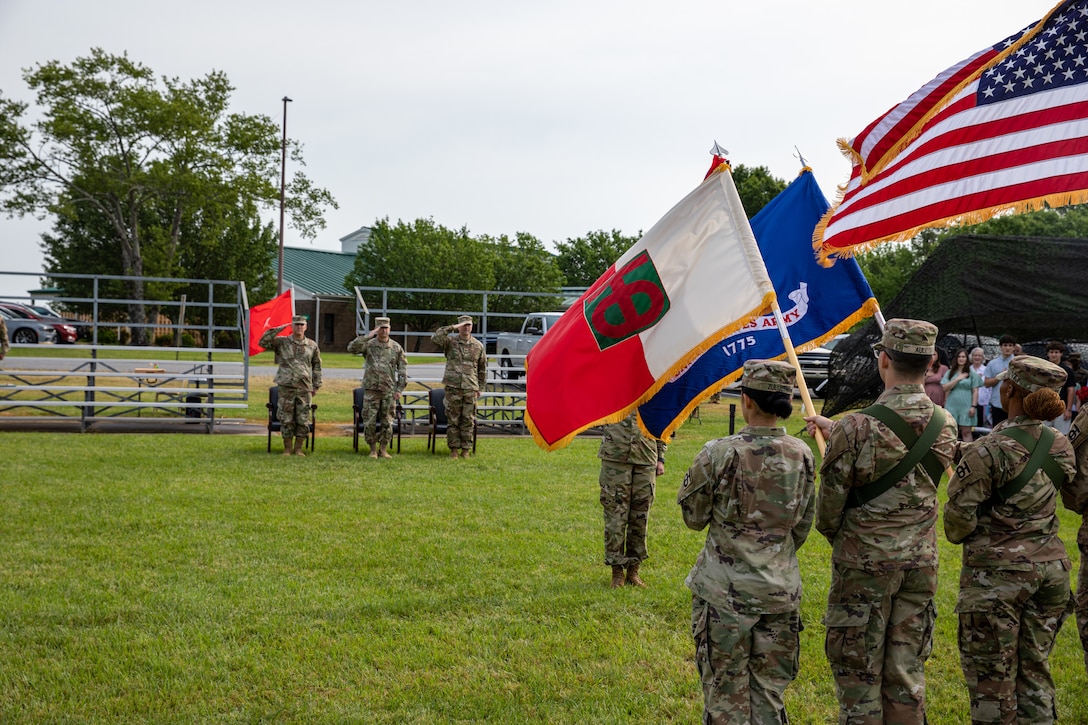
317, 276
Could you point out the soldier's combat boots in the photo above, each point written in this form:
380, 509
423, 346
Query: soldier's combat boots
633, 577
454, 453
382, 453
617, 576
299, 442
373, 451
286, 446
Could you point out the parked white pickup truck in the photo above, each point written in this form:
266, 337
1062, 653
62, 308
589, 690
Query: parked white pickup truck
512, 347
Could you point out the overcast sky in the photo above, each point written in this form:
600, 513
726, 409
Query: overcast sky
553, 118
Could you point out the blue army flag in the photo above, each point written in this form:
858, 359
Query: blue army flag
822, 302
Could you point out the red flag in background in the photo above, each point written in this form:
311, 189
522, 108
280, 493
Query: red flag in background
277, 311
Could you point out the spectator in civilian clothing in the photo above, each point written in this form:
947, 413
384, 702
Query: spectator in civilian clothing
978, 364
1054, 351
994, 368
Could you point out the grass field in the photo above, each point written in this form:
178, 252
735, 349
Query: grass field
191, 578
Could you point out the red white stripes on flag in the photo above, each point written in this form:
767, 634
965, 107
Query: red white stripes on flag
886, 135
1015, 137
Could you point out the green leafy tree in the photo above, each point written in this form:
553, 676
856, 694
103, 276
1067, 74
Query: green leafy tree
585, 259
756, 187
521, 264
427, 255
113, 149
889, 266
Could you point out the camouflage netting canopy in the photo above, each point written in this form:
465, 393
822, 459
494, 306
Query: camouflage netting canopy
976, 288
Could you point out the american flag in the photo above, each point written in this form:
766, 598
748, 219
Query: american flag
1006, 129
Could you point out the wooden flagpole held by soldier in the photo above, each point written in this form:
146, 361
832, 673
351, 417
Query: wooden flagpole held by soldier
806, 398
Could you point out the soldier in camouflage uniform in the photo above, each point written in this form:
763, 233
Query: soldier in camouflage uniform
4, 345
1075, 498
1014, 585
630, 465
755, 490
384, 378
465, 376
880, 512
298, 377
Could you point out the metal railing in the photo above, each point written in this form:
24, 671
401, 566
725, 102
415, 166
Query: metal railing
103, 381
478, 303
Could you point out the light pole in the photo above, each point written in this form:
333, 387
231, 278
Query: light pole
283, 185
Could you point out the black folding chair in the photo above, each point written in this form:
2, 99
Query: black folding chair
436, 398
274, 422
357, 396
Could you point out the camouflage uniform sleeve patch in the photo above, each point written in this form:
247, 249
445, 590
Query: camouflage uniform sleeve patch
969, 487
696, 495
1080, 425
697, 476
963, 470
838, 441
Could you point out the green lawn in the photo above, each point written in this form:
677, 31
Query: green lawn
193, 578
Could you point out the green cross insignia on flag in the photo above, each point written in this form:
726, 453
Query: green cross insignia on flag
631, 301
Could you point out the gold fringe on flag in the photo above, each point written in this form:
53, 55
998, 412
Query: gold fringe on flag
827, 256
867, 310
690, 357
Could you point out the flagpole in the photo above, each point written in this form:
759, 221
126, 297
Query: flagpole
806, 399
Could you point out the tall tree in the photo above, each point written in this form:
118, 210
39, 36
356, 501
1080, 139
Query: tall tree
141, 157
521, 264
756, 187
889, 266
426, 255
585, 259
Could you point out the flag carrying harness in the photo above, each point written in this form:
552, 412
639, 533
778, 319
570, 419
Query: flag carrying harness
1038, 457
919, 451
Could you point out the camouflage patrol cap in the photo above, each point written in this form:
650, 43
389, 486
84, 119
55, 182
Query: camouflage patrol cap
298, 320
463, 319
382, 322
914, 337
771, 375
1032, 373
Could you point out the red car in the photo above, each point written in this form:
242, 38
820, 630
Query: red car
65, 332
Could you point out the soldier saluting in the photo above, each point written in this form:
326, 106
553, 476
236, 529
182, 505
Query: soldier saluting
298, 377
466, 373
384, 379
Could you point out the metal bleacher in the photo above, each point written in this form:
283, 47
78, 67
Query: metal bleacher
500, 408
147, 386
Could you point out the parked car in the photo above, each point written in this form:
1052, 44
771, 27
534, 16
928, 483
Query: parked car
814, 364
65, 331
514, 346
27, 331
